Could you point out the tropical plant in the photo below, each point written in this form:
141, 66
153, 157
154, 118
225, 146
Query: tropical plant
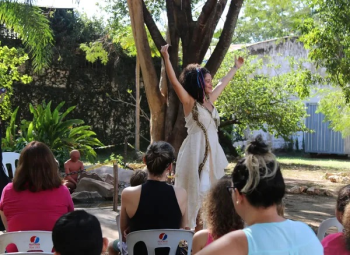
51, 128
32, 27
10, 60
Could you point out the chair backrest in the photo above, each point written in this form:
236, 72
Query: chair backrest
10, 158
326, 224
158, 238
27, 241
117, 218
27, 253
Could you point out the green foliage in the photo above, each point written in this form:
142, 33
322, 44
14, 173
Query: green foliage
95, 51
263, 20
254, 101
33, 29
51, 128
10, 61
327, 36
336, 110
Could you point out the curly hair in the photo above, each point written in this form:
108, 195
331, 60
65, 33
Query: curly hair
218, 210
343, 198
192, 79
346, 224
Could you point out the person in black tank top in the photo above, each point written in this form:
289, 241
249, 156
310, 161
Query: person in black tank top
154, 204
158, 204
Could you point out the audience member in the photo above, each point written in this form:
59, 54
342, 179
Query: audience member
154, 204
139, 177
71, 167
78, 233
337, 243
219, 214
257, 187
36, 198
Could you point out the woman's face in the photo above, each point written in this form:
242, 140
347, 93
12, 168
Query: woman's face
208, 83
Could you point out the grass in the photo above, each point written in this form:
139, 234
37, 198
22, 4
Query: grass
315, 163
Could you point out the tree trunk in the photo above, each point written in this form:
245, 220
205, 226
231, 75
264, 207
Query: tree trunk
137, 108
154, 97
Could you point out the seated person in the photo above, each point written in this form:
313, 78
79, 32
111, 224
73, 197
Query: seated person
336, 243
78, 233
36, 198
71, 167
257, 188
219, 215
154, 204
139, 177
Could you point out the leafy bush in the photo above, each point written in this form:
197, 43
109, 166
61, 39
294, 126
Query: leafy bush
51, 128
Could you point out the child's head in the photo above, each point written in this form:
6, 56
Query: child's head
78, 233
342, 200
218, 210
139, 177
346, 224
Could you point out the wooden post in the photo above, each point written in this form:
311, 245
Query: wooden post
116, 186
137, 110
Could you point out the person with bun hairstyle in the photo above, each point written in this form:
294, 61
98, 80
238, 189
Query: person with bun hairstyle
257, 187
201, 160
339, 243
219, 215
154, 204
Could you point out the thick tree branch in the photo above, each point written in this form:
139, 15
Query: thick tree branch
211, 29
229, 122
223, 45
152, 27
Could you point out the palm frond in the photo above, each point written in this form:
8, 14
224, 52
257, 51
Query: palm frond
32, 27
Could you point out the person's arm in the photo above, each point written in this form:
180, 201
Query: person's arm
4, 220
124, 219
183, 95
233, 243
225, 80
200, 239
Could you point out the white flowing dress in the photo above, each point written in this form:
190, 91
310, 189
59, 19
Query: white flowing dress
191, 155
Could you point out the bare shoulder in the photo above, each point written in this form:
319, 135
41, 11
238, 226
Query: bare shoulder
235, 240
67, 162
130, 191
201, 234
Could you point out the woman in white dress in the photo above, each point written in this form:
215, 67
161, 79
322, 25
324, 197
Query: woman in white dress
201, 160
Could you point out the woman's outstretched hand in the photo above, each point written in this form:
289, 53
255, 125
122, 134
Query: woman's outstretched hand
164, 51
239, 62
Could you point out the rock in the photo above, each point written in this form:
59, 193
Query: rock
109, 179
90, 175
123, 174
330, 193
345, 180
103, 188
333, 178
303, 189
294, 190
311, 191
317, 192
86, 197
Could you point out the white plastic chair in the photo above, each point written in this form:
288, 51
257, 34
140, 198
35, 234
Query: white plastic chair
326, 224
10, 158
27, 240
159, 238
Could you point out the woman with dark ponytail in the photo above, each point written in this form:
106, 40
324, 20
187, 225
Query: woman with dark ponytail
154, 204
257, 188
201, 160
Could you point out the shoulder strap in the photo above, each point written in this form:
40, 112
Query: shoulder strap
196, 119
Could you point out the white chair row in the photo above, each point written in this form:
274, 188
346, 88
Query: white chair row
27, 241
10, 158
326, 224
158, 238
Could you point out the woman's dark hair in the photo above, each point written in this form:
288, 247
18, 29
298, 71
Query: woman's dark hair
37, 169
343, 198
192, 79
159, 156
218, 210
258, 175
139, 177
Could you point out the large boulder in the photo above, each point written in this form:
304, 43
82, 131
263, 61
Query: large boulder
123, 174
90, 175
103, 188
86, 197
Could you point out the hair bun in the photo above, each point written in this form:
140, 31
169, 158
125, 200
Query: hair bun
257, 146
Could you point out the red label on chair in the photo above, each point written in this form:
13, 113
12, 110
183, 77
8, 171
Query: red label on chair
163, 239
34, 243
